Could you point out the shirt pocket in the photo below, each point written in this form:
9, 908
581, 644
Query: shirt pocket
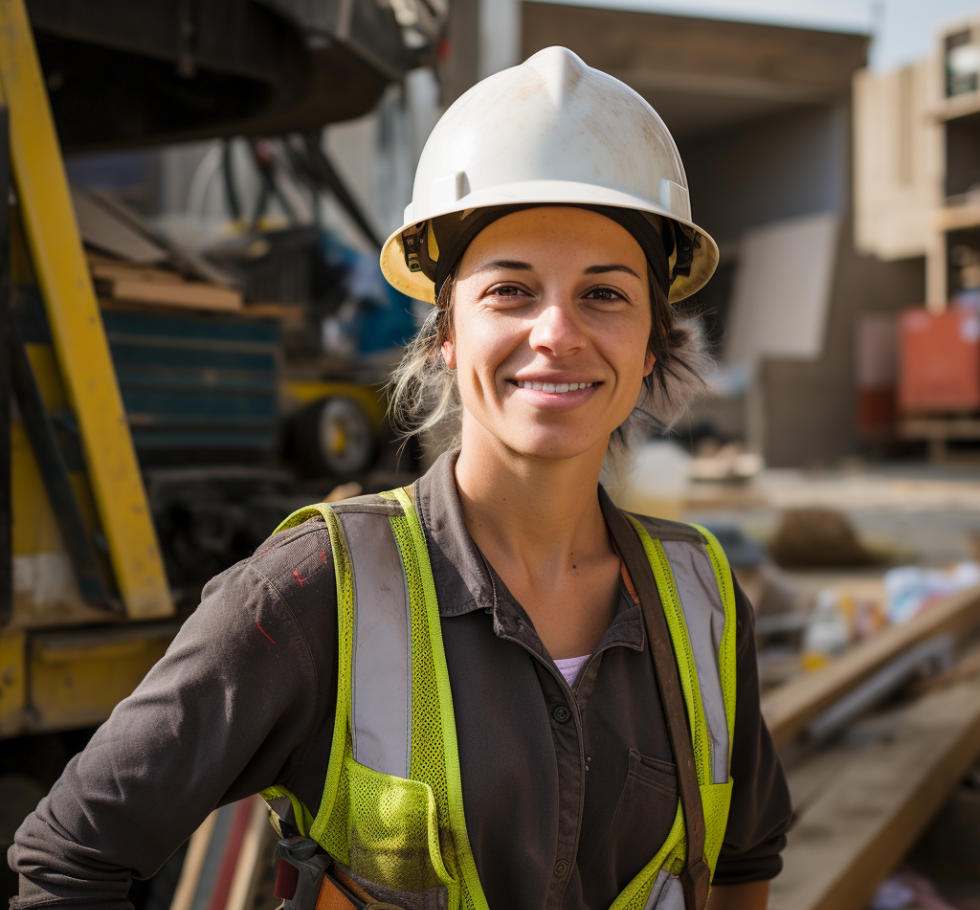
650, 772
641, 818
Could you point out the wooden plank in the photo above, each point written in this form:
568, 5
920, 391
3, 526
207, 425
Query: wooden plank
790, 708
191, 294
810, 778
190, 873
256, 850
748, 55
274, 310
862, 823
940, 428
958, 217
106, 269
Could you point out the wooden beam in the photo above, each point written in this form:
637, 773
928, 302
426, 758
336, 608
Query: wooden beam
856, 832
638, 42
109, 269
191, 294
255, 855
790, 708
190, 872
939, 428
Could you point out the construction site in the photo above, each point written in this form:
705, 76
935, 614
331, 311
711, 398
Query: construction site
196, 340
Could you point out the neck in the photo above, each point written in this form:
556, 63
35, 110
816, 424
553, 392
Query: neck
527, 509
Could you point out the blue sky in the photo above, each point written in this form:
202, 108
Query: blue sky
903, 30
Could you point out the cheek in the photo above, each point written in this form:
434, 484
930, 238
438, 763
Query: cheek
482, 346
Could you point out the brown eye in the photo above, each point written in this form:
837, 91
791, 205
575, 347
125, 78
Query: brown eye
605, 295
507, 292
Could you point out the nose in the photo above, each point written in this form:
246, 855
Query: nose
556, 330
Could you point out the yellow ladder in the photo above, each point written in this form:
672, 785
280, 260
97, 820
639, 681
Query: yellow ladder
80, 343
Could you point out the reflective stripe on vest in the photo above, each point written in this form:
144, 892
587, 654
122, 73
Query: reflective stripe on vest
381, 684
386, 604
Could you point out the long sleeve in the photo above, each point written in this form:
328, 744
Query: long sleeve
242, 696
760, 811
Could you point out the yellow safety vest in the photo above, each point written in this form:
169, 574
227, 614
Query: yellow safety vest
392, 806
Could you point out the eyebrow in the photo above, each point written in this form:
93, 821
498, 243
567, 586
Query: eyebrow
600, 269
510, 264
514, 265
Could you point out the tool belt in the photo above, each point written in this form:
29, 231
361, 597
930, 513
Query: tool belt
308, 878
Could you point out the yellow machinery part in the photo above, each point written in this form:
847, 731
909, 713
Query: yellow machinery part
77, 677
35, 526
45, 590
296, 393
13, 682
76, 325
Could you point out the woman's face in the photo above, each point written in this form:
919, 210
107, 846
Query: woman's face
551, 314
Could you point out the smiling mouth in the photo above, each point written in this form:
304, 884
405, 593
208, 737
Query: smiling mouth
554, 387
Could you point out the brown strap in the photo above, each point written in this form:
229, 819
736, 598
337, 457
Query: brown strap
695, 877
339, 891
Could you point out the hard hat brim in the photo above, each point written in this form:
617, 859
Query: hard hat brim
545, 192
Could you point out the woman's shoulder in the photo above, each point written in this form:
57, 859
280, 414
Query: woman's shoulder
664, 529
288, 559
296, 562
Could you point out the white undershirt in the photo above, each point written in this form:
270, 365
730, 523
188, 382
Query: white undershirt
570, 667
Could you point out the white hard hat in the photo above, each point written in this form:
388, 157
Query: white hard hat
552, 131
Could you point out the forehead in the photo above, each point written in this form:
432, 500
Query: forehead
546, 232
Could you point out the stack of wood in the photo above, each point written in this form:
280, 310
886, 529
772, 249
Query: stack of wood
863, 801
135, 265
118, 281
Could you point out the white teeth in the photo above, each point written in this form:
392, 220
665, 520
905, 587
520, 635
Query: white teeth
560, 387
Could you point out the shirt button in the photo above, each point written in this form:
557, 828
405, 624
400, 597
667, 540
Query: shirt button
561, 714
561, 867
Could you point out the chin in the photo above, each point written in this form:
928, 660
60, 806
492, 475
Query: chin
553, 446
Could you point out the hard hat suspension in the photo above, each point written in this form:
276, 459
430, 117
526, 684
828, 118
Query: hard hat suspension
454, 233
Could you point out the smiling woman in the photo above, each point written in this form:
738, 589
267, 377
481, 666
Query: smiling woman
491, 688
425, 387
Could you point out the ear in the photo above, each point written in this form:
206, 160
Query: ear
449, 354
648, 362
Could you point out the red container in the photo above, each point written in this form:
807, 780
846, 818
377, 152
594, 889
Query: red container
939, 361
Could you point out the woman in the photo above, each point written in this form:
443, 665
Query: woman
450, 688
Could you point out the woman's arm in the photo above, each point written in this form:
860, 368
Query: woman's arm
226, 712
747, 896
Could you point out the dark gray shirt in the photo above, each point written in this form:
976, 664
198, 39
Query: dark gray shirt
562, 808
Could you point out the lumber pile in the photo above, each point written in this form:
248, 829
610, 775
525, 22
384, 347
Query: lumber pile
863, 801
791, 707
119, 281
134, 265
855, 829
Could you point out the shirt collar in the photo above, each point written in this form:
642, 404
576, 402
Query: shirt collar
463, 579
